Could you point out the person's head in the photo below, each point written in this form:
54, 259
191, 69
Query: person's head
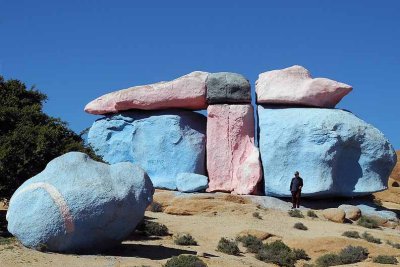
296, 174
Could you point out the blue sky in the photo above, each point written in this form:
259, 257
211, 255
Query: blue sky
75, 51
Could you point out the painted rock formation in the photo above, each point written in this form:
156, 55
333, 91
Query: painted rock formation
188, 92
336, 153
232, 158
79, 205
191, 182
396, 171
164, 143
295, 86
227, 87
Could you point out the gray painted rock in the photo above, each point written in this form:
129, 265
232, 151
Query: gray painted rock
164, 143
227, 87
374, 212
191, 182
336, 153
79, 205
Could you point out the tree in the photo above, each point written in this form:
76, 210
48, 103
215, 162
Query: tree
29, 138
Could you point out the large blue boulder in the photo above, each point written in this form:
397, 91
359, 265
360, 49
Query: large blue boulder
336, 153
164, 143
79, 205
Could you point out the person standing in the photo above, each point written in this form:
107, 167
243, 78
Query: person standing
295, 188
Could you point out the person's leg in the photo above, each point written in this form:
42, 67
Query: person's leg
293, 199
298, 196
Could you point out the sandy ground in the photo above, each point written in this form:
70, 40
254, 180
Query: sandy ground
207, 219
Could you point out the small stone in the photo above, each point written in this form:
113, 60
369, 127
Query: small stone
334, 215
352, 212
191, 182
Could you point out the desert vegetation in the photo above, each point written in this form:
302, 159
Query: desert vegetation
295, 213
185, 240
228, 246
185, 261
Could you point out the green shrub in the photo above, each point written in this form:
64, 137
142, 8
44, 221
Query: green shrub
153, 228
185, 240
300, 254
330, 259
312, 214
395, 245
279, 253
228, 246
368, 237
384, 259
351, 234
295, 213
368, 222
257, 215
300, 226
250, 242
351, 254
155, 207
185, 261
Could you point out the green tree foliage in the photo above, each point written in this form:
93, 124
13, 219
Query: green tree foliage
29, 138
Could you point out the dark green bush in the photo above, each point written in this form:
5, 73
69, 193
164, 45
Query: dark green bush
312, 214
150, 228
295, 213
368, 237
368, 222
300, 226
155, 207
395, 245
185, 240
300, 254
351, 254
250, 242
384, 259
279, 253
257, 215
330, 259
351, 234
228, 246
185, 261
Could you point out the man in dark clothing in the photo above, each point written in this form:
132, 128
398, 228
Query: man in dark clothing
295, 187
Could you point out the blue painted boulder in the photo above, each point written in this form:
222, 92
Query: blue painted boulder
336, 153
79, 205
191, 182
164, 143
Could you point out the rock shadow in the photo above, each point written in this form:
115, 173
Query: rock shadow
153, 252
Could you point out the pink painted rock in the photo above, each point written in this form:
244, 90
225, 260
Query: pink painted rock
188, 92
232, 159
295, 86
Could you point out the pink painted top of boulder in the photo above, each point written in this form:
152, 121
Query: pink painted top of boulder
295, 86
233, 162
188, 91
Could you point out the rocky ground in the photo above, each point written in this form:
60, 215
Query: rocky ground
208, 217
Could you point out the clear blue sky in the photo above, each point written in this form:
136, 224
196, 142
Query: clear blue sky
75, 51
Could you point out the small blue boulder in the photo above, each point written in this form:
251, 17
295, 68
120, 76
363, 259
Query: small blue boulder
164, 143
191, 182
336, 153
79, 205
